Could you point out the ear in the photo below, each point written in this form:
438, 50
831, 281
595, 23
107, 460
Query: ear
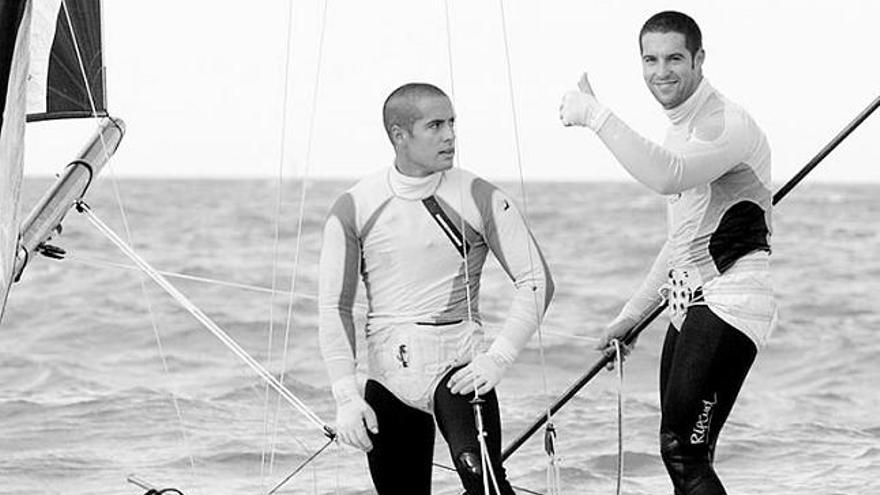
699, 58
398, 134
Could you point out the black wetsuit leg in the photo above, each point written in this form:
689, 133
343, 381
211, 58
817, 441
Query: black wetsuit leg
455, 418
400, 461
701, 371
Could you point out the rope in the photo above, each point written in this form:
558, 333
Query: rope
83, 260
553, 474
301, 467
467, 283
553, 481
522, 184
271, 438
618, 357
205, 320
485, 461
584, 338
488, 472
302, 202
124, 217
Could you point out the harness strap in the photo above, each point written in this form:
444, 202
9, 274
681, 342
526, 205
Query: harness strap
447, 225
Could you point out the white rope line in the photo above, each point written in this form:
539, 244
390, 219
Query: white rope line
300, 467
584, 338
302, 202
519, 163
312, 452
462, 223
488, 471
360, 305
209, 324
279, 184
553, 473
84, 260
457, 158
124, 217
554, 477
618, 356
462, 226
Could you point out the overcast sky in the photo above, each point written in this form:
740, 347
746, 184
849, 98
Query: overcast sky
201, 83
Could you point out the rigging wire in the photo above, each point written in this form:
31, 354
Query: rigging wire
487, 468
517, 488
301, 214
293, 434
127, 228
206, 321
467, 283
301, 466
550, 430
476, 401
84, 260
279, 186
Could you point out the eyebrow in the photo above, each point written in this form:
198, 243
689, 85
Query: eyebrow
665, 55
439, 121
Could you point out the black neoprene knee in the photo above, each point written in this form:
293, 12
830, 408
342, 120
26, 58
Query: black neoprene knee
689, 468
468, 465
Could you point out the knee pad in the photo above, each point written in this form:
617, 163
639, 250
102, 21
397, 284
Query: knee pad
689, 468
671, 448
469, 465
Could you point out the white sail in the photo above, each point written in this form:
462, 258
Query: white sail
14, 69
51, 67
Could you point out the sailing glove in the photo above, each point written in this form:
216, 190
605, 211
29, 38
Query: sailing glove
353, 415
486, 370
617, 330
581, 107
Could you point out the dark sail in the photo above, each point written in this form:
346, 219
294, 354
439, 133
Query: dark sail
66, 55
51, 67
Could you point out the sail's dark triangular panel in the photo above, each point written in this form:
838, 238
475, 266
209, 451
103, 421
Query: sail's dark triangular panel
11, 12
58, 87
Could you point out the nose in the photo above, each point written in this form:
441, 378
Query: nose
664, 68
448, 132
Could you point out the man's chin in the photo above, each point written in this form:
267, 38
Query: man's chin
668, 102
445, 165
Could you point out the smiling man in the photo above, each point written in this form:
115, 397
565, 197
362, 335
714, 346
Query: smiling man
417, 234
713, 269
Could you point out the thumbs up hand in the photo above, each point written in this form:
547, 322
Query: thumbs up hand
580, 107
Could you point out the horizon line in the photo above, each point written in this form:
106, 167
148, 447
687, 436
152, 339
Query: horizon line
226, 178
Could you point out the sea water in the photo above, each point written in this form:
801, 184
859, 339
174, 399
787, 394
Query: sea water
102, 375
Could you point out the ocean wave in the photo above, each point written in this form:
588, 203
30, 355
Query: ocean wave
83, 377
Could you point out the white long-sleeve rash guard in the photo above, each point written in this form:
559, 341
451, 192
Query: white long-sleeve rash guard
381, 233
715, 166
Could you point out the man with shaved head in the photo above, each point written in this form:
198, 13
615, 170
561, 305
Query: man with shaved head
401, 108
416, 234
